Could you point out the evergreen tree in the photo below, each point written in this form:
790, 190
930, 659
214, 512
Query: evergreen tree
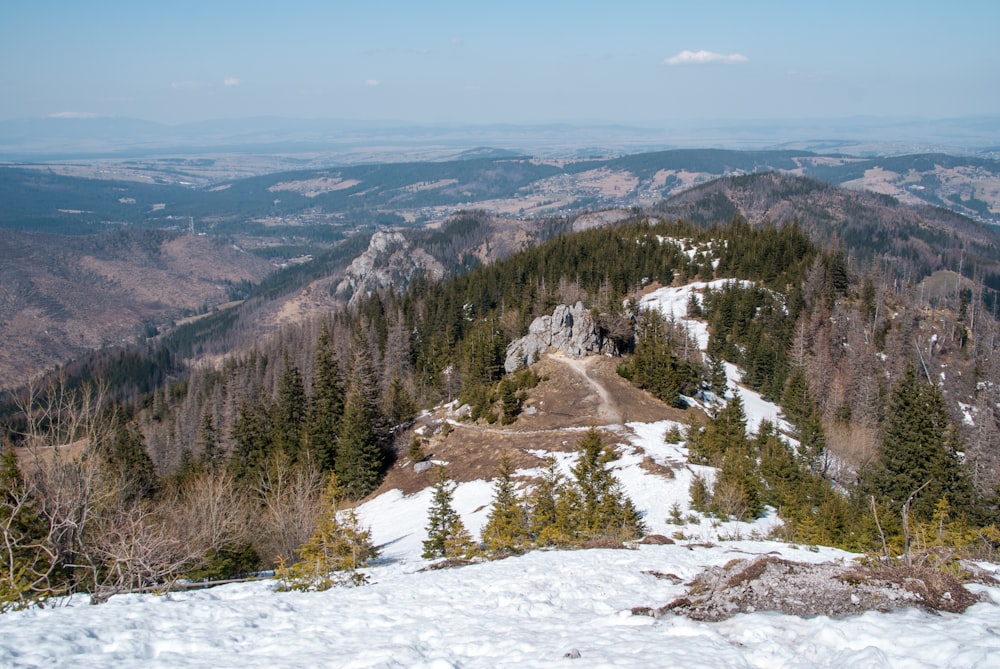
338, 547
604, 510
592, 478
399, 407
725, 430
652, 366
483, 353
289, 413
542, 505
208, 440
360, 457
736, 491
506, 528
779, 469
718, 382
510, 401
568, 528
802, 412
252, 434
26, 558
917, 451
364, 379
188, 468
701, 496
327, 404
127, 461
446, 533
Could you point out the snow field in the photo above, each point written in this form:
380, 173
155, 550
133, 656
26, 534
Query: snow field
528, 611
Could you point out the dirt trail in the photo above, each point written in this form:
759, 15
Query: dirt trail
607, 411
574, 394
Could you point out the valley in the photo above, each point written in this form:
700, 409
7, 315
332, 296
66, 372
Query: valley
294, 217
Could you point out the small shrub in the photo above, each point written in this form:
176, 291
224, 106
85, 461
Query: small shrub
673, 435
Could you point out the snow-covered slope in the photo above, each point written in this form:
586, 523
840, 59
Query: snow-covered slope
543, 609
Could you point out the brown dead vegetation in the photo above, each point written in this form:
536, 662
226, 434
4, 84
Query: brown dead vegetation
774, 584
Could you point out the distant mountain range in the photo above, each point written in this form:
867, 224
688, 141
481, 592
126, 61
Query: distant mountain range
76, 136
123, 246
216, 193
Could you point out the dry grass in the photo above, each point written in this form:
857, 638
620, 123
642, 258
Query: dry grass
566, 403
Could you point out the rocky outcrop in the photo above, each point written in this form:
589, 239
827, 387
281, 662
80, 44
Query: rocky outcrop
390, 260
598, 219
571, 330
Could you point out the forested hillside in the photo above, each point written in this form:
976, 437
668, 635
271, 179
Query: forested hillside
887, 372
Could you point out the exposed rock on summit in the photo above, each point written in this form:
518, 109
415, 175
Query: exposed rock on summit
390, 260
571, 330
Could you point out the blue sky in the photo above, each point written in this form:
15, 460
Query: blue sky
518, 62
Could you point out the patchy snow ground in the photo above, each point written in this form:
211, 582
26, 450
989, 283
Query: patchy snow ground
528, 611
543, 609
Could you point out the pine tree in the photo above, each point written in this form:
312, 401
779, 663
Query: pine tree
483, 353
725, 430
26, 559
652, 366
127, 461
338, 547
568, 527
736, 491
718, 382
604, 510
802, 412
446, 533
510, 401
399, 407
208, 440
542, 505
918, 450
592, 478
506, 528
252, 434
779, 469
360, 457
701, 496
327, 404
289, 413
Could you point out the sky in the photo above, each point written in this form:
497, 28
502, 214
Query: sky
504, 62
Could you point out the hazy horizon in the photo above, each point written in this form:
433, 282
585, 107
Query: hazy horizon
640, 64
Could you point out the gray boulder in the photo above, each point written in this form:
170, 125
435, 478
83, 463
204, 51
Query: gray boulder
571, 330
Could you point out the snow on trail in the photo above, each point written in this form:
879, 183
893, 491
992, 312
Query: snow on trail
528, 611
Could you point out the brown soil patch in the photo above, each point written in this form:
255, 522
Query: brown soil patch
569, 396
573, 396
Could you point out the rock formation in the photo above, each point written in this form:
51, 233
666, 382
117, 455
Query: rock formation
571, 330
390, 260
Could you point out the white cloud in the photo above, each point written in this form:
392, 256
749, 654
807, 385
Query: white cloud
372, 83
457, 41
686, 57
231, 81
